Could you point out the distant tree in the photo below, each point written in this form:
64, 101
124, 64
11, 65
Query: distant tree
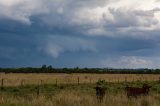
44, 66
49, 68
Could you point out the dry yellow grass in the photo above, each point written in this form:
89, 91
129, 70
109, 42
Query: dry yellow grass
77, 97
72, 98
17, 79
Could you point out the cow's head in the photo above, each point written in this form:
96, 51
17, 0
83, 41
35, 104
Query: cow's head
146, 87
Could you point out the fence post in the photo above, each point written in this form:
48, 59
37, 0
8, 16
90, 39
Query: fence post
56, 82
22, 82
145, 79
125, 79
41, 81
90, 80
140, 79
38, 90
2, 83
78, 80
68, 81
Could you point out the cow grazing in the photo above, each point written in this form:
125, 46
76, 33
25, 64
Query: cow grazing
134, 91
100, 93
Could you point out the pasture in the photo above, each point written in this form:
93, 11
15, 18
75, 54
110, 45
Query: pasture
75, 89
53, 78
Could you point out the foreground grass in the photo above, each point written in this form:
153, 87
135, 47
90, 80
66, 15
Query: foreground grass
76, 95
72, 98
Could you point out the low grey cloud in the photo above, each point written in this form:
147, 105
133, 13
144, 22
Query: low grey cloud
128, 62
55, 45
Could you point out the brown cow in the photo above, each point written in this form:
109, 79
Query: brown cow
100, 93
134, 91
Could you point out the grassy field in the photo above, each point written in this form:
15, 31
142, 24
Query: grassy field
72, 98
28, 79
67, 92
74, 95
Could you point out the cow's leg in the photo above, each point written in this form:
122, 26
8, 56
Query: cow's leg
128, 95
99, 99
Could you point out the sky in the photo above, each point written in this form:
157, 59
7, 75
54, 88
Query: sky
83, 33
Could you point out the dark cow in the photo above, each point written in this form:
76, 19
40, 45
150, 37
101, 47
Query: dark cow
100, 93
134, 91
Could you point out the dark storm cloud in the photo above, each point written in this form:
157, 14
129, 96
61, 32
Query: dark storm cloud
85, 33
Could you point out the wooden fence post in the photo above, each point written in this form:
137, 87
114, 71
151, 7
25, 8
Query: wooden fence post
2, 83
145, 79
125, 79
68, 81
90, 80
78, 80
22, 82
38, 90
41, 81
56, 82
140, 79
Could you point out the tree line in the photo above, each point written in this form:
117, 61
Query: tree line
50, 69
